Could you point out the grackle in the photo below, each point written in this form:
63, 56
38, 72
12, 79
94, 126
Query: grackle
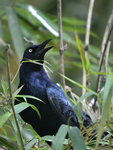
56, 109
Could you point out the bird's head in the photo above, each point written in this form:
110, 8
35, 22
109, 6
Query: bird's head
36, 52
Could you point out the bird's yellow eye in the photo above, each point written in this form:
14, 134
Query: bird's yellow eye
30, 50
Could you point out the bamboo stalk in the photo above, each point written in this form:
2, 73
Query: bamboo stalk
105, 41
103, 48
61, 47
6, 47
85, 80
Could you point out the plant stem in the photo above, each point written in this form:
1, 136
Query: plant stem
6, 47
104, 45
61, 48
106, 57
87, 38
105, 41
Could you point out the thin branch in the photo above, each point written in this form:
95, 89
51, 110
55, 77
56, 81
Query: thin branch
6, 47
87, 38
104, 45
106, 37
106, 33
28, 41
106, 56
61, 48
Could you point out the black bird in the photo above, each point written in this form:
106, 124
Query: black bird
56, 109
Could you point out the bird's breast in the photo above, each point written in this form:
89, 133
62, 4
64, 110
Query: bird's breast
36, 86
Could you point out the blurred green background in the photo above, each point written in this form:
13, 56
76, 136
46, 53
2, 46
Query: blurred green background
17, 22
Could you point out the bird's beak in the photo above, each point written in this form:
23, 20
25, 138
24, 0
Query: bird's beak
41, 48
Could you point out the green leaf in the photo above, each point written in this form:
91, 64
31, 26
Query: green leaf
81, 50
15, 31
7, 142
59, 138
87, 64
73, 21
72, 28
101, 73
30, 144
34, 107
16, 132
20, 107
72, 81
4, 118
38, 63
4, 131
29, 96
4, 87
85, 96
44, 149
27, 17
76, 138
48, 138
46, 22
17, 91
42, 18
108, 94
79, 112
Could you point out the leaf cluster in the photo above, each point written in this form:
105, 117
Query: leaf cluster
18, 21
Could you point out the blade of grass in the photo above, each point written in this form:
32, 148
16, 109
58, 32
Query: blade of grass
8, 142
59, 138
22, 106
76, 138
30, 144
108, 90
4, 118
4, 87
82, 54
15, 31
74, 82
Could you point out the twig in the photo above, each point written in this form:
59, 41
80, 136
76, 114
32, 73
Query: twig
6, 47
31, 42
106, 33
104, 45
61, 48
87, 38
106, 37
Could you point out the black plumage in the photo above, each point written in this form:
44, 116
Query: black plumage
56, 109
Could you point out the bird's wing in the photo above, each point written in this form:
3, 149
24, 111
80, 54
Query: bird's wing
63, 109
61, 106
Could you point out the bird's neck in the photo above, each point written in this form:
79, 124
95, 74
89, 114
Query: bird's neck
28, 70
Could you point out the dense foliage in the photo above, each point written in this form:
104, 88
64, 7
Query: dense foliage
20, 19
